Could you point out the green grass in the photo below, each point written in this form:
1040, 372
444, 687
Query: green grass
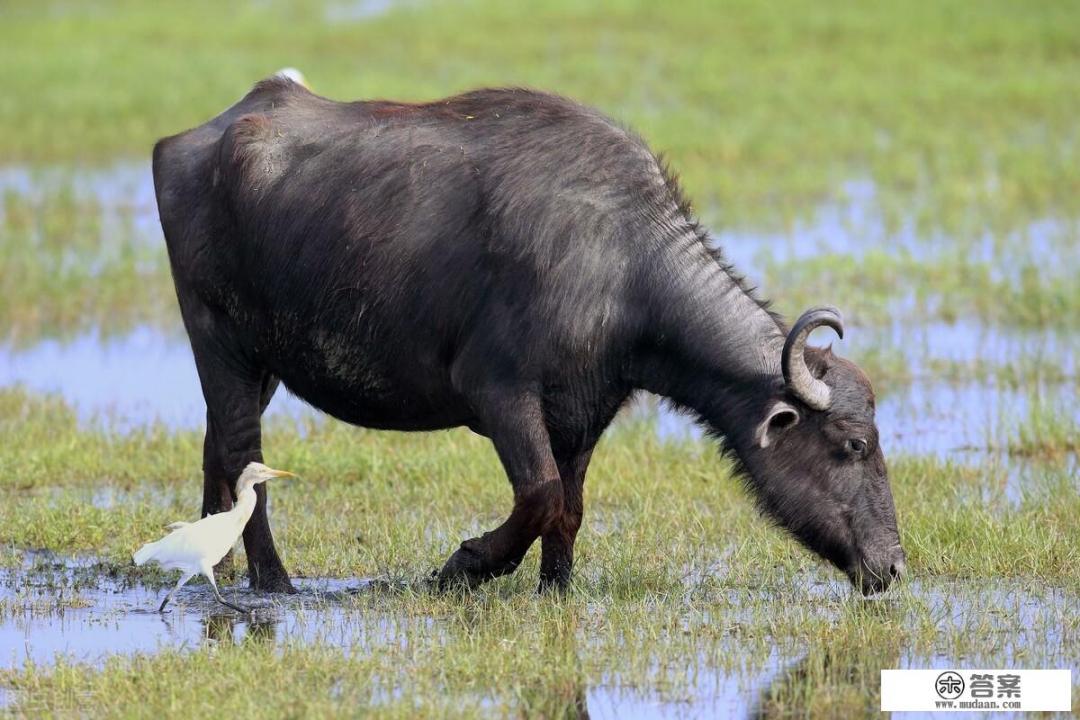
678, 579
963, 118
395, 504
65, 269
969, 109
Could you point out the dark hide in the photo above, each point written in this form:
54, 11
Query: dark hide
505, 260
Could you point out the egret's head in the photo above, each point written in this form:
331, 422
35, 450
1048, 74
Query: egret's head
256, 473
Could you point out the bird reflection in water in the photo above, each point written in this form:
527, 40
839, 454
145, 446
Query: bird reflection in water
222, 628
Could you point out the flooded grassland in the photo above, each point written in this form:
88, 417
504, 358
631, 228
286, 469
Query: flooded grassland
686, 602
939, 214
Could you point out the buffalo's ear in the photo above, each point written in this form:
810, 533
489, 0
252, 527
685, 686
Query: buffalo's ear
780, 416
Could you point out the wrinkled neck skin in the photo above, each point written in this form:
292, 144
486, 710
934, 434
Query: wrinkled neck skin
714, 351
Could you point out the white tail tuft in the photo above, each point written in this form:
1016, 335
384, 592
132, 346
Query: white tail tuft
293, 74
145, 553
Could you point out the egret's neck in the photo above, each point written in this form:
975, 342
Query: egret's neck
245, 503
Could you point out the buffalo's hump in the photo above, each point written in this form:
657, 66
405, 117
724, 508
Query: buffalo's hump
505, 222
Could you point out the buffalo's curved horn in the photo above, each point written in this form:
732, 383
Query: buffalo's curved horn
805, 386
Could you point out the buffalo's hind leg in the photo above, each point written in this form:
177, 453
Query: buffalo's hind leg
233, 440
218, 492
514, 422
236, 392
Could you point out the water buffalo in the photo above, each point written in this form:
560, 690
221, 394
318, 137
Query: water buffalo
513, 262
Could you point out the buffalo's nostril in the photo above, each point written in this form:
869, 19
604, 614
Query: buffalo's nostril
896, 569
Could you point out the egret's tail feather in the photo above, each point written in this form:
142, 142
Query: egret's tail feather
145, 553
177, 525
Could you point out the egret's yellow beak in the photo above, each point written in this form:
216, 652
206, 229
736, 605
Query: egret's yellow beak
283, 473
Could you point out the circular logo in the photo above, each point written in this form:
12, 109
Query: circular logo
949, 685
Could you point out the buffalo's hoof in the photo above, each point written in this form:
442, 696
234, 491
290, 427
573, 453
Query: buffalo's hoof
273, 584
556, 584
555, 570
466, 568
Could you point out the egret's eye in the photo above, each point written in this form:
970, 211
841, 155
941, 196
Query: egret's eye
856, 446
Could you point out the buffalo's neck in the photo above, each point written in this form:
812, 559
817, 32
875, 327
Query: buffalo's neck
709, 345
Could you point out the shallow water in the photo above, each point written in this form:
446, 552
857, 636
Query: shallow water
147, 376
111, 616
128, 381
80, 610
123, 191
854, 223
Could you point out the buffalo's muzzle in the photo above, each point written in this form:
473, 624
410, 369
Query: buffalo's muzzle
875, 576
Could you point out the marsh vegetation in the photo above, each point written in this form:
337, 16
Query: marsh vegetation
919, 170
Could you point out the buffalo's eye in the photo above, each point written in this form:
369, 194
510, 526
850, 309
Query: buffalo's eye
856, 446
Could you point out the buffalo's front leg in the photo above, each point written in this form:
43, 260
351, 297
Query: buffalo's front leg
514, 422
557, 543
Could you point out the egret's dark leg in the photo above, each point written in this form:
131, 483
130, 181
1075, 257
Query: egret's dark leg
209, 573
514, 422
557, 544
183, 581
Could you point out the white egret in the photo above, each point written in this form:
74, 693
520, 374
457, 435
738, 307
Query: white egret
196, 547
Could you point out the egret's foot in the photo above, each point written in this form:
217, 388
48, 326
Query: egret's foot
164, 602
237, 608
226, 603
470, 566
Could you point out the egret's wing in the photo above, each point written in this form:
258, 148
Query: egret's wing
177, 525
207, 539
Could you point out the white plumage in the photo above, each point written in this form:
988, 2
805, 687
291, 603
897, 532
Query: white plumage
195, 548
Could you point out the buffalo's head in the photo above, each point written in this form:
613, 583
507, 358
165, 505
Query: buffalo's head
813, 455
